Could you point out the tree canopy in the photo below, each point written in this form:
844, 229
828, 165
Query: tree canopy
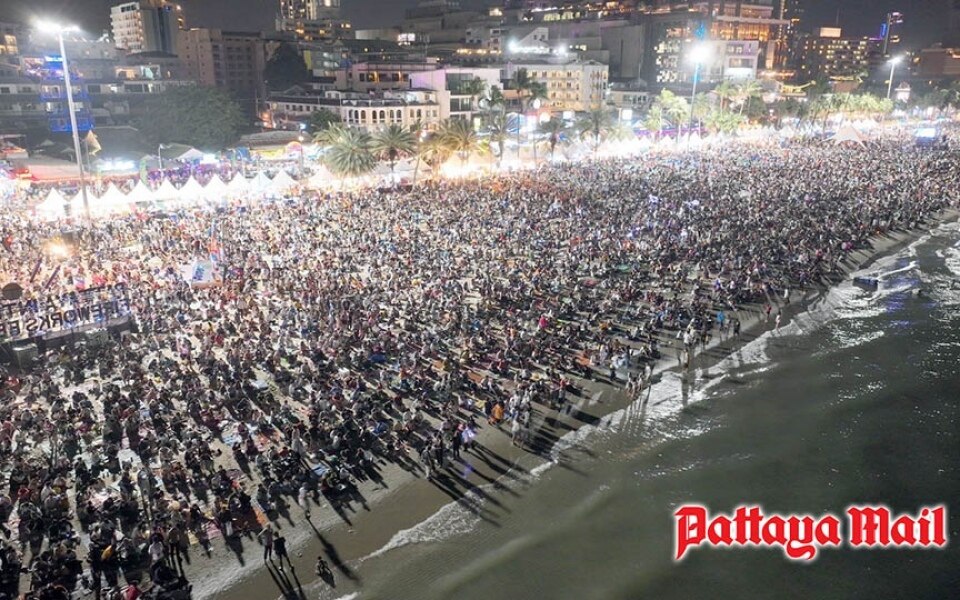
285, 69
201, 117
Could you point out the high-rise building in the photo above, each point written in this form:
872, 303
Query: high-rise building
830, 55
146, 26
890, 33
312, 20
231, 60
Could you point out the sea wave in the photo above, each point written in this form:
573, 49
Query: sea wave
455, 518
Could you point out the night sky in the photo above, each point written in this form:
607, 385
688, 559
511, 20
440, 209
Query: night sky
859, 17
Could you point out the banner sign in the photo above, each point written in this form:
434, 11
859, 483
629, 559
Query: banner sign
53, 312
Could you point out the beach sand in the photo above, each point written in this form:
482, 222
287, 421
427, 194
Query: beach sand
402, 499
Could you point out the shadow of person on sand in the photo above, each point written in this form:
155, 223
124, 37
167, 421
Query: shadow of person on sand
334, 556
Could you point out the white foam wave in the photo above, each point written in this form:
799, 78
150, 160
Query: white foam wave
455, 518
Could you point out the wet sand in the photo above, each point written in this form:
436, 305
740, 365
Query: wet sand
403, 499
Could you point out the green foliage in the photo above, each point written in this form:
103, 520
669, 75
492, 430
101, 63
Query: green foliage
351, 152
459, 137
202, 117
285, 69
322, 119
667, 108
594, 126
554, 128
392, 143
497, 132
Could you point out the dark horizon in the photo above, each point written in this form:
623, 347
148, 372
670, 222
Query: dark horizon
924, 19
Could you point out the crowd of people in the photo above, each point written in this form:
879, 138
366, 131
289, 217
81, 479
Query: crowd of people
343, 332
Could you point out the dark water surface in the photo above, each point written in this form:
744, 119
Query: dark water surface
857, 401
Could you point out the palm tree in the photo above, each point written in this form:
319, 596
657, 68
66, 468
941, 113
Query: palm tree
460, 138
554, 128
392, 143
747, 91
726, 91
498, 131
527, 90
656, 119
474, 88
595, 124
351, 154
495, 100
330, 135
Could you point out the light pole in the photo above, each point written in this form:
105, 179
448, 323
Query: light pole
699, 54
893, 66
59, 30
160, 158
302, 139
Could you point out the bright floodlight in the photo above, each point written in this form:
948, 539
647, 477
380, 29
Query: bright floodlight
700, 54
896, 60
54, 28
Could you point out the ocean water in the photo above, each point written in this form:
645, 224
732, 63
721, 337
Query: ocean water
855, 401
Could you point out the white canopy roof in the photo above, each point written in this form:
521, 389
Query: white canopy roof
110, 200
238, 185
848, 133
140, 193
260, 183
52, 206
215, 189
166, 191
191, 190
283, 182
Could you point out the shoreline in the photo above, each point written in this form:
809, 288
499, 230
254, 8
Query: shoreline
372, 526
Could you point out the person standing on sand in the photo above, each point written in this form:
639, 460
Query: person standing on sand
280, 547
777, 321
266, 536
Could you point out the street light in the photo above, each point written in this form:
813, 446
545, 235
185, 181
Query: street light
59, 30
699, 54
302, 139
896, 60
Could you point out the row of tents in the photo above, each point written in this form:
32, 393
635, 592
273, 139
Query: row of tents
113, 201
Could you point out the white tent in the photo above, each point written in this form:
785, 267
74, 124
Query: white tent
215, 190
140, 193
52, 206
238, 185
260, 183
166, 191
111, 201
76, 204
282, 182
321, 178
191, 191
191, 154
848, 133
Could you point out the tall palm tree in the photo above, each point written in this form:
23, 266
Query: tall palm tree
747, 91
330, 135
495, 101
527, 91
498, 131
726, 91
392, 143
656, 120
594, 125
460, 138
351, 154
554, 128
474, 88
